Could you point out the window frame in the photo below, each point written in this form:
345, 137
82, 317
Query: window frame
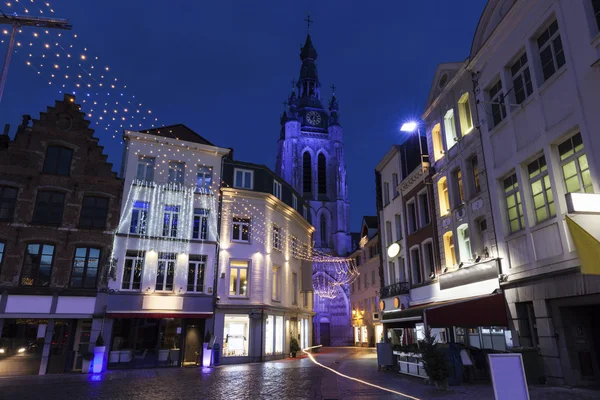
465, 115
412, 218
496, 98
86, 260
576, 157
550, 43
134, 256
175, 173
449, 249
277, 189
520, 72
199, 268
276, 283
460, 187
415, 268
200, 216
6, 203
541, 175
450, 134
276, 237
170, 227
388, 233
398, 224
36, 270
437, 141
141, 226
57, 168
246, 174
169, 261
295, 202
424, 210
242, 222
94, 211
239, 268
36, 219
465, 250
148, 167
204, 175
428, 262
515, 193
322, 174
475, 175
443, 195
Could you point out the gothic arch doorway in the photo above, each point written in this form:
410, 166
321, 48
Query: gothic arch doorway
325, 328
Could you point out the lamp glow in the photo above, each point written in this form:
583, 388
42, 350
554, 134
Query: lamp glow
393, 250
409, 126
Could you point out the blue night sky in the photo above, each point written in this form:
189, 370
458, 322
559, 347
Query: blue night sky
224, 67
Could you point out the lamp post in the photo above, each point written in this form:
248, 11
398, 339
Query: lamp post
411, 127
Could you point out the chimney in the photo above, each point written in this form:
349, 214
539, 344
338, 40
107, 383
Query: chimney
26, 119
6, 129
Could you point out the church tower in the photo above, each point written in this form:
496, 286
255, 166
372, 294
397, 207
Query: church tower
311, 156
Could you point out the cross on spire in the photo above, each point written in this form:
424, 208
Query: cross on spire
332, 88
308, 22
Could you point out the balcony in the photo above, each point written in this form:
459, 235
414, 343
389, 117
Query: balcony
395, 289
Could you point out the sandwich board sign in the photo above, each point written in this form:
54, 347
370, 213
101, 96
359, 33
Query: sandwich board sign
508, 376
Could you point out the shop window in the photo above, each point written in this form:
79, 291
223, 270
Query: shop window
523, 88
276, 283
196, 268
49, 207
449, 253
276, 237
415, 264
541, 189
8, 201
132, 269
139, 217
450, 129
464, 243
243, 178
236, 335
277, 189
165, 272
574, 165
200, 224
443, 195
514, 209
294, 289
322, 173
170, 221
438, 145
269, 335
552, 56
464, 113
37, 266
307, 180
238, 278
85, 268
176, 172
204, 179
58, 161
145, 168
428, 260
279, 334
424, 214
497, 106
240, 230
94, 211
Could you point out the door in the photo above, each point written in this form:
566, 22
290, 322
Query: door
325, 335
193, 345
60, 347
82, 342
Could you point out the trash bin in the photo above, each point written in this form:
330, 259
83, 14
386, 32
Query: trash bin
216, 354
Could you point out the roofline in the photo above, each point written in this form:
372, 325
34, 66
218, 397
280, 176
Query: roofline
449, 86
150, 137
388, 156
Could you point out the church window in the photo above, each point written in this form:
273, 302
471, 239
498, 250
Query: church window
243, 178
323, 228
307, 172
322, 167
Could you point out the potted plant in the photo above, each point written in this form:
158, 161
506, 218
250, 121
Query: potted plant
434, 361
99, 354
86, 361
294, 347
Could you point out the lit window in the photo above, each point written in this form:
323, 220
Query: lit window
386, 193
196, 267
464, 113
236, 335
58, 161
574, 165
552, 56
443, 196
449, 253
464, 243
204, 179
521, 77
176, 172
170, 221
438, 145
85, 268
238, 278
459, 186
516, 221
200, 224
428, 260
49, 207
541, 189
132, 269
294, 289
395, 185
497, 105
415, 263
276, 283
240, 230
94, 211
277, 189
276, 237
450, 128
37, 266
475, 175
424, 214
145, 168
8, 201
165, 271
139, 217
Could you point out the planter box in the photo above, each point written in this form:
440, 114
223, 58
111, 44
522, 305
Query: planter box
410, 364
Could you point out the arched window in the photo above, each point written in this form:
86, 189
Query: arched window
323, 229
322, 173
307, 173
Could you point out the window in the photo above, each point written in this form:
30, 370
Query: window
306, 173
49, 208
196, 267
464, 114
294, 289
238, 278
243, 179
273, 335
294, 246
402, 270
541, 190
58, 161
323, 229
85, 268
8, 201
516, 221
596, 8
204, 179
240, 231
392, 272
438, 145
398, 221
415, 262
386, 193
139, 217
552, 56
94, 211
277, 189
428, 260
475, 175
449, 253
322, 173
294, 202
424, 215
443, 196
464, 243
395, 185
521, 79
574, 165
132, 269
165, 271
145, 168
37, 266
200, 224
449, 127
276, 237
170, 221
497, 103
305, 299
236, 334
1, 252
388, 232
411, 216
176, 172
459, 186
305, 212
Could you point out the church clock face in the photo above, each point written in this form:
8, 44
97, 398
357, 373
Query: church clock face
313, 118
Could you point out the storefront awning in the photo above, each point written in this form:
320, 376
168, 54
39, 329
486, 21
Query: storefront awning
585, 232
157, 314
487, 310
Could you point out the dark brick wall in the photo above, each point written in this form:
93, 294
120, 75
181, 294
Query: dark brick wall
21, 162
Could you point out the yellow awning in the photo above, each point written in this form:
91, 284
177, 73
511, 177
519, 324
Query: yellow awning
586, 242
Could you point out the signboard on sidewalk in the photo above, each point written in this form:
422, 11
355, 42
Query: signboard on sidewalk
508, 376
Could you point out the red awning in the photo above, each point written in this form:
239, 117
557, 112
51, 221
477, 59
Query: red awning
477, 311
158, 314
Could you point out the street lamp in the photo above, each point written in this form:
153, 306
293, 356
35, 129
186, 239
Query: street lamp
411, 127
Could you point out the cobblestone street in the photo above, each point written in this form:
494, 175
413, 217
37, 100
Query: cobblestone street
286, 379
